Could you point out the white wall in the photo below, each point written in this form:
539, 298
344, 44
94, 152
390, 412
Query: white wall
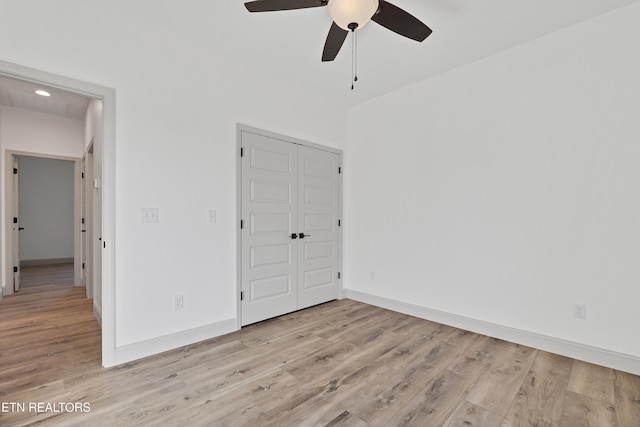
506, 190
34, 132
178, 103
46, 209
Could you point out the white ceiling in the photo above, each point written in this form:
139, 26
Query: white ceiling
287, 45
21, 94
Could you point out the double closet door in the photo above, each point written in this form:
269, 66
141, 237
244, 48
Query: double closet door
290, 239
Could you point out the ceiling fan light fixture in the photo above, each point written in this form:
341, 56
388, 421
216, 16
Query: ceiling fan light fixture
347, 12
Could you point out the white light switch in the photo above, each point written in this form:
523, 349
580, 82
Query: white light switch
149, 215
212, 217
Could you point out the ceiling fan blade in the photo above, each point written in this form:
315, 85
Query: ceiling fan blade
401, 22
335, 40
275, 5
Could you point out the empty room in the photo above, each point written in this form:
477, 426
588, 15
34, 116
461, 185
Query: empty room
293, 213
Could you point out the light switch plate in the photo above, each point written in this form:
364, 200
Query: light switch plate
149, 215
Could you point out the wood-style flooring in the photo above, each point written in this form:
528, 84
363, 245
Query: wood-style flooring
342, 363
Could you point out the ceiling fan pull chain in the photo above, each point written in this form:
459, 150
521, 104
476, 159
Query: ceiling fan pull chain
355, 73
354, 57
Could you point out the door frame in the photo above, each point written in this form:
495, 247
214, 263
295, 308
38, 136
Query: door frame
10, 206
86, 223
107, 182
245, 128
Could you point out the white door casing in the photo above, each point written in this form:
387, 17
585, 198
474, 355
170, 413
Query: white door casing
288, 191
16, 226
83, 227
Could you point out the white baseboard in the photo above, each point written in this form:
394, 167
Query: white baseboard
97, 312
127, 353
46, 261
598, 356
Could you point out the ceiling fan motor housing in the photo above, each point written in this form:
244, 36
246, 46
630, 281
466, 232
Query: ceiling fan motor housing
352, 14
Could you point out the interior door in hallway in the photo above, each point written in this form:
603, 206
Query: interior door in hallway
290, 253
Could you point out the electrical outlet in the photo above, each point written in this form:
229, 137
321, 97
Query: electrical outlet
178, 302
580, 311
149, 215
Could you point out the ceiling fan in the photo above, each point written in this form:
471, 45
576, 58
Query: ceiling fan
351, 15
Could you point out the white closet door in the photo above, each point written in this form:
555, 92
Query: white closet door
318, 214
269, 211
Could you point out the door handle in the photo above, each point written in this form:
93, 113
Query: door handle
293, 236
20, 228
302, 235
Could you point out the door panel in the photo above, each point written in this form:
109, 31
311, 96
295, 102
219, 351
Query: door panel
269, 209
287, 189
318, 210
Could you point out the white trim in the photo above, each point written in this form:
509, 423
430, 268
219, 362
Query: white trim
587, 353
97, 312
46, 261
242, 127
108, 98
138, 350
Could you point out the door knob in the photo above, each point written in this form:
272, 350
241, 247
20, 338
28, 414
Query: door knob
302, 235
294, 236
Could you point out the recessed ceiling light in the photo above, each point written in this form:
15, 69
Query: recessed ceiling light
43, 93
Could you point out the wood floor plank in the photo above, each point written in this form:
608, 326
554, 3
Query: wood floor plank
539, 400
467, 414
497, 387
394, 399
592, 381
627, 398
343, 363
397, 375
434, 406
583, 411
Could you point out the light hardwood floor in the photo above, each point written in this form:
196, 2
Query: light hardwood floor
338, 364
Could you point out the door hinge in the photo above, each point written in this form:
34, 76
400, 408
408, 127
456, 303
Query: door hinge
339, 223
15, 269
339, 170
82, 175
15, 171
241, 224
241, 295
15, 220
83, 265
241, 151
338, 274
83, 220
